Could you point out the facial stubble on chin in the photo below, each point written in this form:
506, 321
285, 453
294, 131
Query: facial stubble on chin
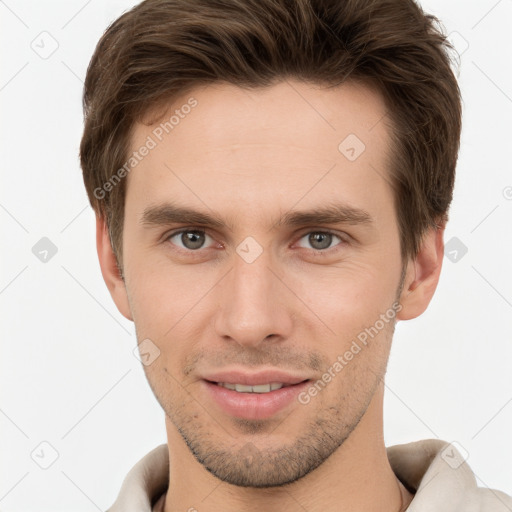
250, 466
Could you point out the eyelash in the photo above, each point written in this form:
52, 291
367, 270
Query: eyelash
319, 252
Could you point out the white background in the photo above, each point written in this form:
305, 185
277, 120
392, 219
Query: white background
68, 374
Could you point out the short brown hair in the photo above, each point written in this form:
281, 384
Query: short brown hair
163, 48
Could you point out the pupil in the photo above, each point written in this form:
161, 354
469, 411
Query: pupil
192, 239
325, 240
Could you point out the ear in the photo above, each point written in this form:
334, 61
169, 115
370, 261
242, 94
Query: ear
422, 275
110, 270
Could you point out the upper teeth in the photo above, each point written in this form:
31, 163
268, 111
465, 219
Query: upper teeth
261, 388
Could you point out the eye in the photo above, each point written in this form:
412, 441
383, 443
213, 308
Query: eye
320, 240
193, 239
190, 239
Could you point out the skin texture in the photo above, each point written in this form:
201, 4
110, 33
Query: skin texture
249, 157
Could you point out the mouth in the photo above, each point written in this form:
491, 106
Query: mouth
259, 388
253, 402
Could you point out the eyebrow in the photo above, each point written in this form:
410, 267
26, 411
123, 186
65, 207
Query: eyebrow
169, 213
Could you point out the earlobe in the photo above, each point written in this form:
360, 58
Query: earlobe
422, 275
110, 270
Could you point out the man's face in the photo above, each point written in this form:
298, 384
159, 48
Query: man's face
256, 293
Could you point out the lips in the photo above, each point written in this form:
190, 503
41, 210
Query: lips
256, 396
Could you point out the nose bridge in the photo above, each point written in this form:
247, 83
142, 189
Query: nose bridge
252, 281
251, 301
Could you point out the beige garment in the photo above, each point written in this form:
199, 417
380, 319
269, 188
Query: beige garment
433, 470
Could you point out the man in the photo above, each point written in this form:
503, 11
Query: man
271, 180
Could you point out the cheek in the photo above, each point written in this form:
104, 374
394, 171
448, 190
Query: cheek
171, 307
162, 293
346, 298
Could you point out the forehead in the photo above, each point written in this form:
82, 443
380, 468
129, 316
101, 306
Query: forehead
251, 149
225, 113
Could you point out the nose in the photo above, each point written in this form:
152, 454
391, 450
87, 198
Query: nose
252, 303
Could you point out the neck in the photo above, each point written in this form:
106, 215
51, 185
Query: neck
357, 477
